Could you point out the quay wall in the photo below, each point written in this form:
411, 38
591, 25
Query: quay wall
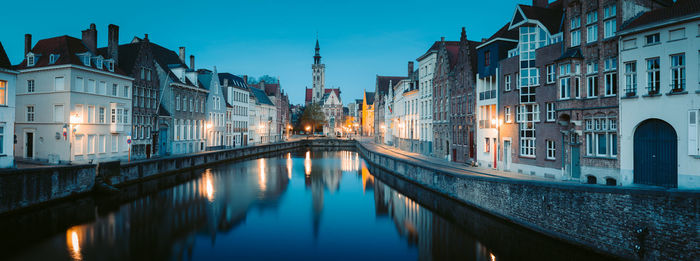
626, 222
22, 189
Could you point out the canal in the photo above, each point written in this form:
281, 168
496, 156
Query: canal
298, 205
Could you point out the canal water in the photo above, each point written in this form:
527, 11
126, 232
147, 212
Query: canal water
299, 205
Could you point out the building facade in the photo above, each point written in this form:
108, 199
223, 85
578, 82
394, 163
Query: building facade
382, 86
426, 72
87, 117
136, 60
443, 79
182, 118
237, 98
262, 120
215, 109
462, 102
367, 124
8, 87
660, 98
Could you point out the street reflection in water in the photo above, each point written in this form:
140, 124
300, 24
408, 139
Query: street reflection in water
308, 204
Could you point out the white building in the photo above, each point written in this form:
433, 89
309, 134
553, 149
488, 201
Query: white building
262, 119
488, 120
426, 69
405, 122
73, 104
237, 96
333, 109
215, 109
660, 98
8, 83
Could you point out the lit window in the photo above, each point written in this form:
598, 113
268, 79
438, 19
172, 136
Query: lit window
3, 95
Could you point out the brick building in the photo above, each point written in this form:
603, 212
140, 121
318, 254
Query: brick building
462, 102
443, 79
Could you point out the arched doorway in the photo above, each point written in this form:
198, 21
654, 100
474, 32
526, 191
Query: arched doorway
655, 154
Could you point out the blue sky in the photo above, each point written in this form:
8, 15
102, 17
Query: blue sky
359, 39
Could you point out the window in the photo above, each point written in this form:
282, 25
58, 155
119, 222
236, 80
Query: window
575, 38
79, 144
2, 139
103, 142
602, 144
143, 73
507, 82
631, 78
577, 87
59, 84
101, 115
86, 59
564, 88
601, 136
487, 58
613, 144
31, 59
677, 73
592, 68
610, 20
126, 91
148, 74
98, 63
575, 22
551, 73
506, 115
551, 111
30, 113
91, 144
110, 66
91, 86
611, 64
592, 17
58, 113
30, 86
676, 34
611, 84
487, 145
3, 94
591, 33
102, 88
113, 116
53, 58
652, 39
653, 76
551, 150
115, 143
177, 103
628, 44
592, 86
91, 114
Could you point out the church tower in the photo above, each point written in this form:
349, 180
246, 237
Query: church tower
319, 76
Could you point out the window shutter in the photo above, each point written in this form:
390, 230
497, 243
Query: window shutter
693, 133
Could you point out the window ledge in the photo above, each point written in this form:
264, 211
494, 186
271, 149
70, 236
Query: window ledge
609, 96
629, 97
652, 44
677, 93
527, 157
591, 98
550, 159
600, 157
651, 95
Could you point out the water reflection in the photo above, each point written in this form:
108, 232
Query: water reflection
253, 210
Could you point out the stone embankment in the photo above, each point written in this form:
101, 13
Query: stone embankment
627, 222
21, 189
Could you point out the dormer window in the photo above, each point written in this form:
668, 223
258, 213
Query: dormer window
85, 59
98, 63
110, 65
53, 58
31, 59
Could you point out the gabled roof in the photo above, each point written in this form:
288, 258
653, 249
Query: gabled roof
168, 59
452, 52
384, 82
162, 111
682, 8
4, 61
261, 97
550, 17
433, 48
336, 90
504, 34
233, 80
67, 48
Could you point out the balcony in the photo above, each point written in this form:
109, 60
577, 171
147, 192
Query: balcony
485, 95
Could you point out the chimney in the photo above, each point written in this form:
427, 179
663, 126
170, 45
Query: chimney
410, 69
90, 39
113, 43
27, 43
225, 82
442, 39
540, 3
145, 36
192, 62
245, 79
182, 54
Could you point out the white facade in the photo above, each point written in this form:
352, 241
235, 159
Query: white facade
8, 83
487, 119
426, 65
238, 98
401, 115
333, 109
675, 47
70, 113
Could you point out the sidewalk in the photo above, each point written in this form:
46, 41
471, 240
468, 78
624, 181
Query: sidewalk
451, 166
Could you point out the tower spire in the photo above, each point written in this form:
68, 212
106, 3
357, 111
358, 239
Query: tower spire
317, 56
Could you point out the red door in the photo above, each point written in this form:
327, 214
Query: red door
454, 155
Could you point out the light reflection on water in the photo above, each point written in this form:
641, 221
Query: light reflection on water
267, 209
